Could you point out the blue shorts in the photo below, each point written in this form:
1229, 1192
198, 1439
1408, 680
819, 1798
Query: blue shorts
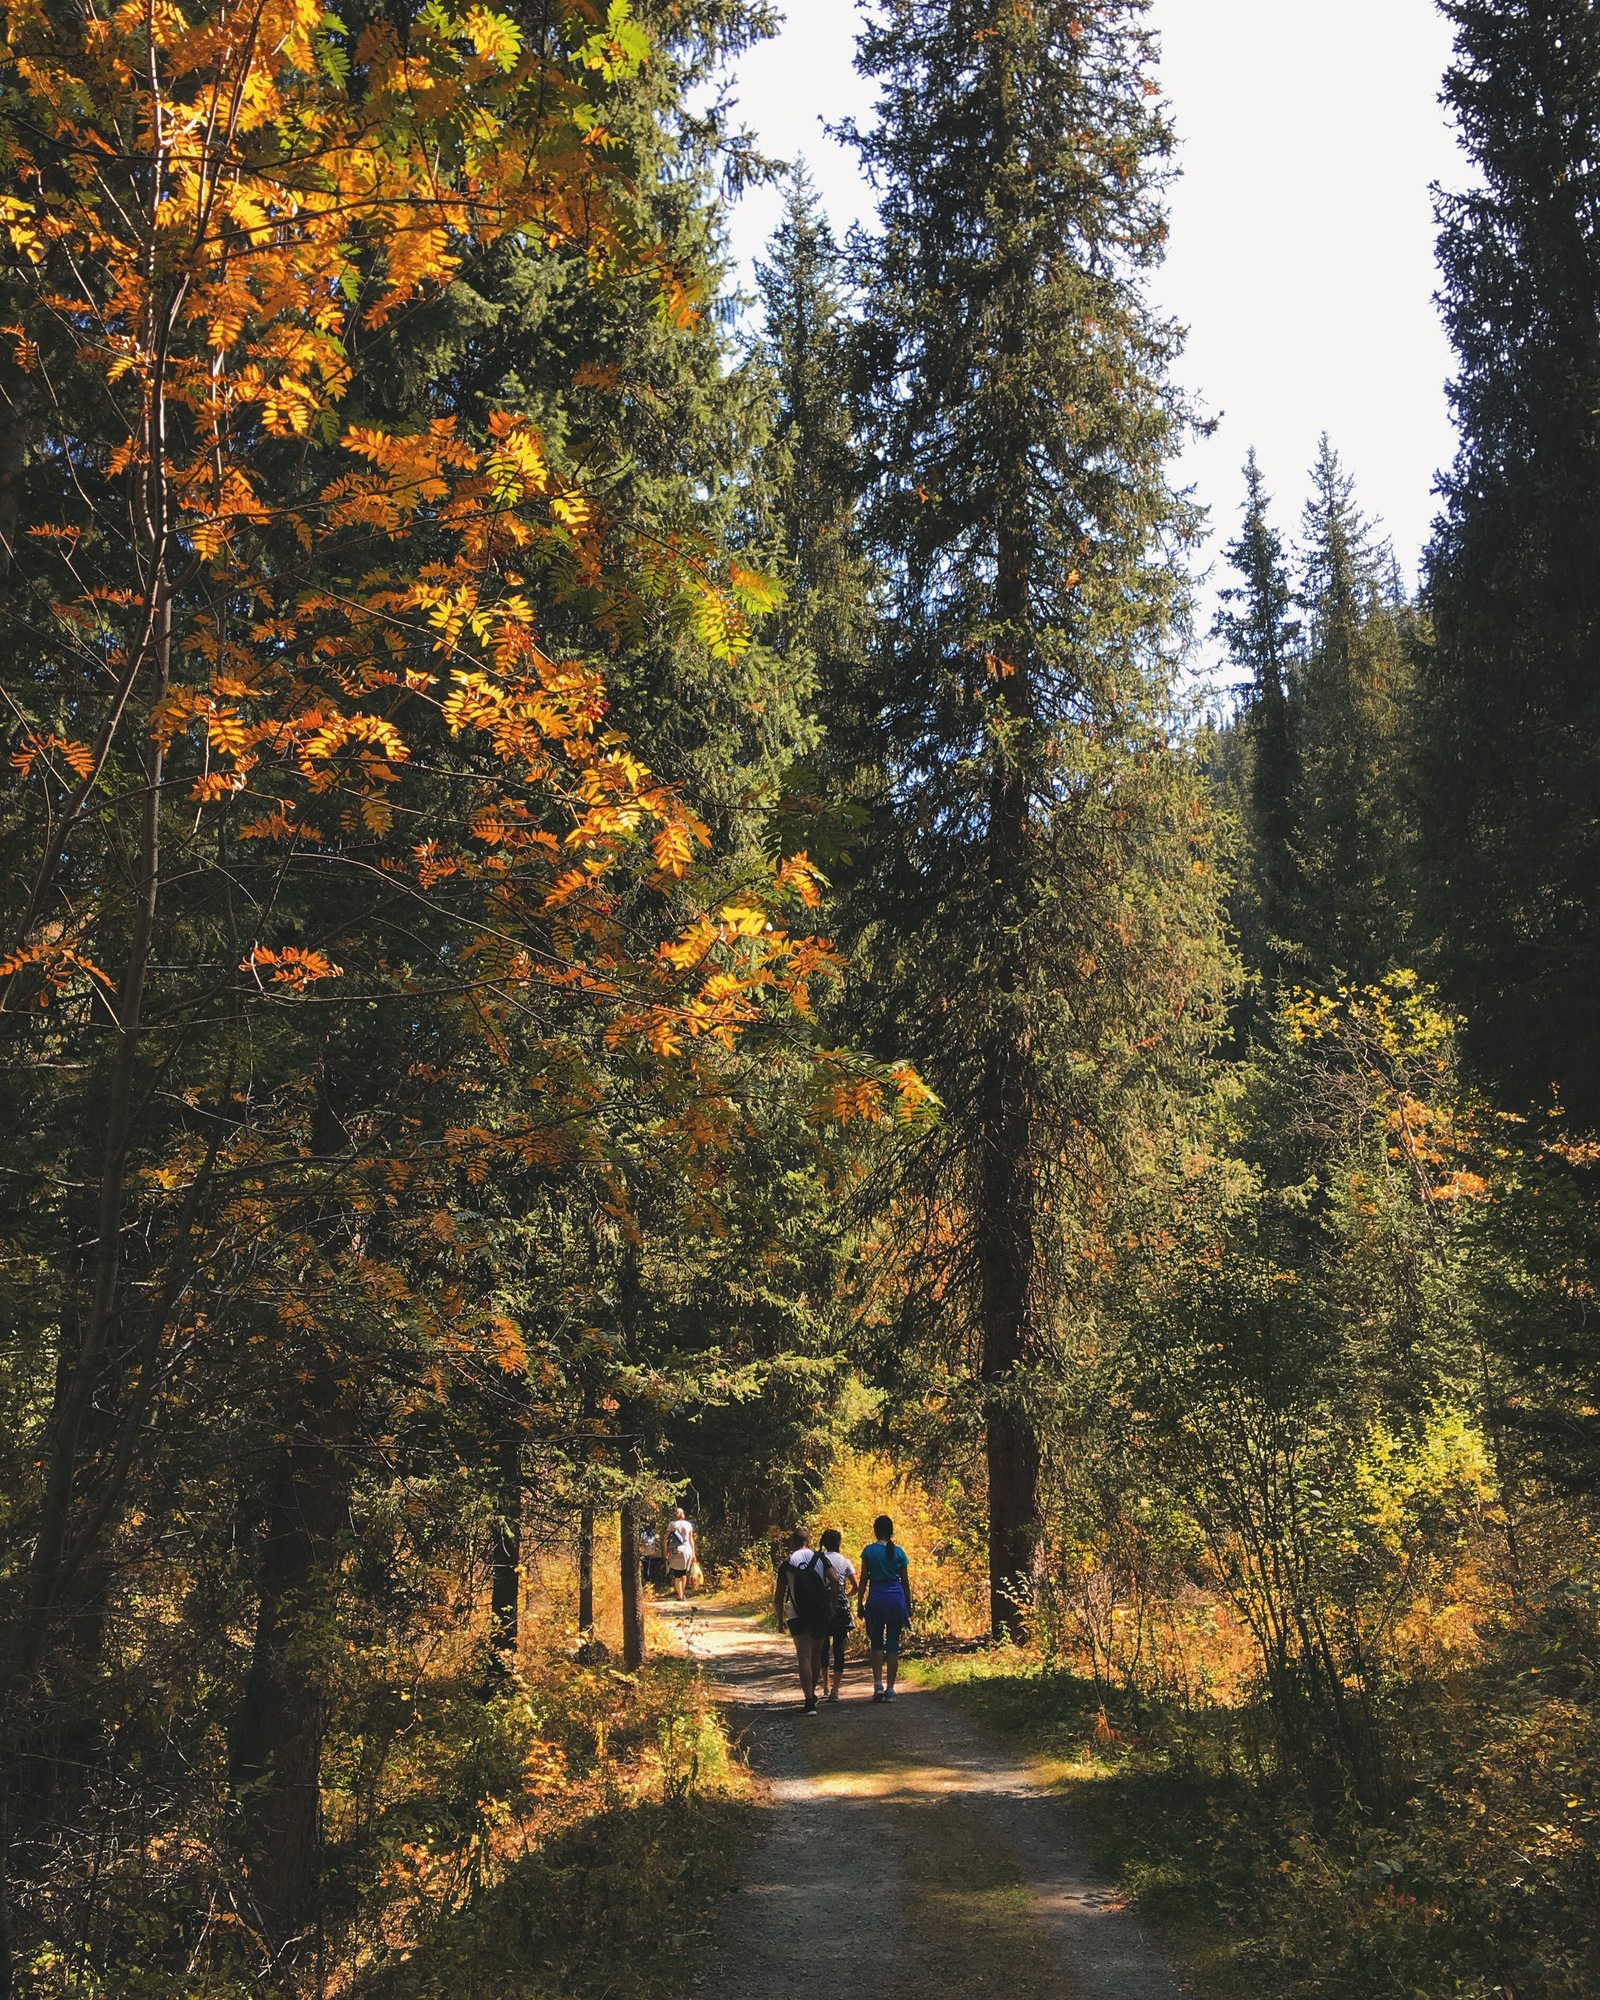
883, 1630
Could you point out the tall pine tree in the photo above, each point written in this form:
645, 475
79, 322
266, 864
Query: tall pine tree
1510, 712
1258, 626
814, 479
806, 502
1033, 911
1350, 693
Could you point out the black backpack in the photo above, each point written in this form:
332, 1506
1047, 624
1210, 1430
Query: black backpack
811, 1591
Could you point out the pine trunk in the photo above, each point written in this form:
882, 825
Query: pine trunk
505, 1597
1007, 1187
1005, 1252
7, 1956
632, 1591
586, 1567
276, 1760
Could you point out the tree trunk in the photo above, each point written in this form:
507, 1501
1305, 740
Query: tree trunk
78, 1379
632, 1590
505, 1591
1006, 1220
1005, 1265
79, 1376
586, 1567
15, 399
7, 1955
275, 1765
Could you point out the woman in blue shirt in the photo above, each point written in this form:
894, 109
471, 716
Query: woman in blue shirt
884, 1599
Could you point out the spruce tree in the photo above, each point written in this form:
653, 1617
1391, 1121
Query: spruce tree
1257, 625
1510, 713
805, 504
814, 476
1350, 691
1032, 916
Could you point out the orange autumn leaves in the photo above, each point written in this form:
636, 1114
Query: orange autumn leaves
218, 210
237, 187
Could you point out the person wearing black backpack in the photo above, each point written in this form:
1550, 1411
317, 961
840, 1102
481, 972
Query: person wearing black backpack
806, 1600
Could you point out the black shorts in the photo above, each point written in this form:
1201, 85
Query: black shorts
808, 1627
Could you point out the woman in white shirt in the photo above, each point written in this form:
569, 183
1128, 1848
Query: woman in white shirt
680, 1552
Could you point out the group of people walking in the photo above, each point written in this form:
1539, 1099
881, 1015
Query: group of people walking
813, 1602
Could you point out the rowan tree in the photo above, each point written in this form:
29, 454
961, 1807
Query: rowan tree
345, 915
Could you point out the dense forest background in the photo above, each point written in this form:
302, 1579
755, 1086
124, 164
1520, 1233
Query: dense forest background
603, 908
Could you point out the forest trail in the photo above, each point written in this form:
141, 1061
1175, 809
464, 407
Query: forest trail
897, 1844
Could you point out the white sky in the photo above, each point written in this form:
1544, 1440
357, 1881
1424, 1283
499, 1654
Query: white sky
1302, 233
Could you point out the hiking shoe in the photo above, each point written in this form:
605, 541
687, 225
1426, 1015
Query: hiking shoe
810, 1707
889, 1694
877, 1694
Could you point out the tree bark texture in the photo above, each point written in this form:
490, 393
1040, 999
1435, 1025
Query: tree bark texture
505, 1591
276, 1755
586, 1566
1007, 1219
14, 401
7, 1955
632, 1590
1005, 1249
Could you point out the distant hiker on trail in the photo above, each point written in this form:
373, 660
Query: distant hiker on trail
845, 1570
652, 1564
885, 1598
807, 1595
681, 1553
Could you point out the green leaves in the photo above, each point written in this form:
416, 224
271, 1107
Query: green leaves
495, 39
619, 49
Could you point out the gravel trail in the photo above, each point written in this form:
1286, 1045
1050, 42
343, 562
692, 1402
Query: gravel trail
897, 1845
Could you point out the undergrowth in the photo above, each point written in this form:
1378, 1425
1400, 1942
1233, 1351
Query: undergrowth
1482, 1879
564, 1836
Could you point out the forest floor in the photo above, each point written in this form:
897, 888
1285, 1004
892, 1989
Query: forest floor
899, 1842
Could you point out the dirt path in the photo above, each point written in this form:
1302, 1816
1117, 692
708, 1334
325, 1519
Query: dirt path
899, 1846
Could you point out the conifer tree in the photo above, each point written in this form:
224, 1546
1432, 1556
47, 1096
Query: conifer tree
1032, 914
656, 398
806, 500
1351, 686
1510, 710
1257, 625
814, 481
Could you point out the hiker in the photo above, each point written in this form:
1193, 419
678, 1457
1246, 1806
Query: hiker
652, 1564
884, 1597
845, 1570
806, 1595
681, 1554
